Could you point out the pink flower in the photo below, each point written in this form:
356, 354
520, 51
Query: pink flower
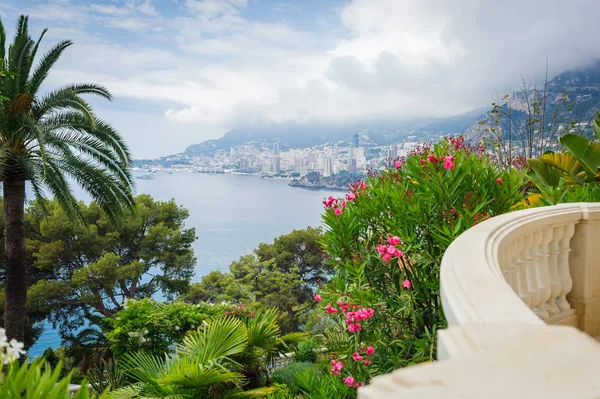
362, 185
356, 356
318, 297
338, 211
337, 367
330, 309
448, 163
406, 284
499, 180
370, 350
349, 381
367, 362
350, 196
398, 253
422, 161
343, 204
387, 257
355, 327
432, 158
393, 240
391, 250
359, 384
398, 164
329, 202
382, 249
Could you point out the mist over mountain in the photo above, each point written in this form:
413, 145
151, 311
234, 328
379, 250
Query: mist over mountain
581, 85
292, 135
571, 97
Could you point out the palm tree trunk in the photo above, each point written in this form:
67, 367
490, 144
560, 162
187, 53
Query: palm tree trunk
14, 253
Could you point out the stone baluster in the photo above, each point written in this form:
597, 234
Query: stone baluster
521, 272
532, 242
553, 275
566, 282
510, 259
543, 279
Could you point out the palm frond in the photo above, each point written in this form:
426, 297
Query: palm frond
35, 48
18, 59
46, 63
190, 374
220, 338
2, 41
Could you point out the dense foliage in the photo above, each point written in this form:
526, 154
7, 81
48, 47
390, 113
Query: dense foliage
282, 274
226, 355
80, 271
569, 175
154, 327
386, 239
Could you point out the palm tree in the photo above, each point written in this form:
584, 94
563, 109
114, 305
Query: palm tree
49, 140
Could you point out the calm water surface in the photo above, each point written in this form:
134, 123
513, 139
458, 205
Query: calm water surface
232, 214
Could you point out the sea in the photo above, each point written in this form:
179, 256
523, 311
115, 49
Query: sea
232, 214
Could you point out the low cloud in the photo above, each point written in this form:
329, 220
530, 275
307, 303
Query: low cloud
209, 65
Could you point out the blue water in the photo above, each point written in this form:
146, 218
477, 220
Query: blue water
232, 214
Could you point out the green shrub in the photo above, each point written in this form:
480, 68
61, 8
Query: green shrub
307, 351
283, 392
316, 385
154, 327
288, 375
386, 240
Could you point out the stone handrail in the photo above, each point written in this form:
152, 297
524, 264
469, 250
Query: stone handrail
513, 289
514, 267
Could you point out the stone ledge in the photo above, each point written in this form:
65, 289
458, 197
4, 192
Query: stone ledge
505, 361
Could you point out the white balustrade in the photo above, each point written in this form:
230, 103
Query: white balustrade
513, 288
566, 282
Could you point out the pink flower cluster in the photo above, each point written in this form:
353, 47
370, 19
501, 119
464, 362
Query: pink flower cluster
337, 367
406, 284
353, 319
387, 252
337, 204
449, 162
352, 383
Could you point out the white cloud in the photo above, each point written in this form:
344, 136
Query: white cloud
210, 68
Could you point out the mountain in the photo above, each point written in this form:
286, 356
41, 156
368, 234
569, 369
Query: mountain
293, 135
571, 97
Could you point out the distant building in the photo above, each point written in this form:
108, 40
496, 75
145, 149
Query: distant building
392, 151
244, 164
328, 167
352, 165
355, 140
277, 164
276, 148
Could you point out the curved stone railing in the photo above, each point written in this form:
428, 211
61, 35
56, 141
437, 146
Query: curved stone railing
517, 267
513, 288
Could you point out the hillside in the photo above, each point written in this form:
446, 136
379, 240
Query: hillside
572, 97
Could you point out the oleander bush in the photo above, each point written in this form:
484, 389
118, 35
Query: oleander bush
386, 239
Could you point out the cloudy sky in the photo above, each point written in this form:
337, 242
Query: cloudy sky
183, 71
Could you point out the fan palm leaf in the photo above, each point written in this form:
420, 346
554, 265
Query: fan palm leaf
219, 338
